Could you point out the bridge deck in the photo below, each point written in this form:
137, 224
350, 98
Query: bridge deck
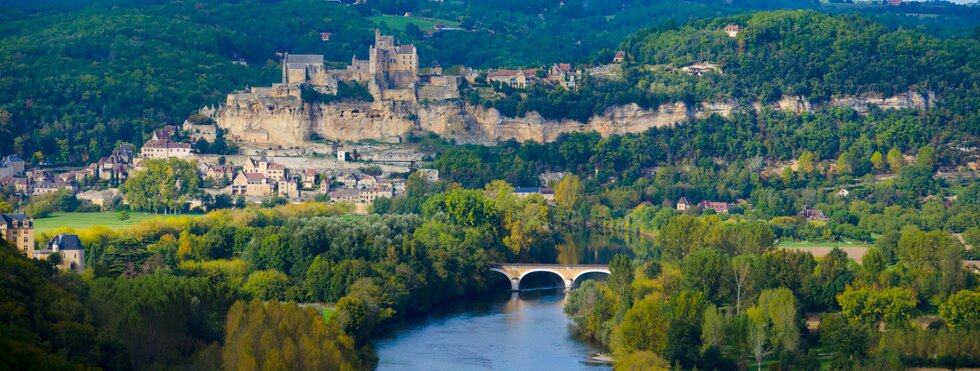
565, 266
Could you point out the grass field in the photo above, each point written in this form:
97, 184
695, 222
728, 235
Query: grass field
854, 250
86, 220
398, 22
821, 244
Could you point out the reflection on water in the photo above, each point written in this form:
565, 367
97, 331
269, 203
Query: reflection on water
525, 331
591, 246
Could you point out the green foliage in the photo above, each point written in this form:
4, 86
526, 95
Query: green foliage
272, 335
44, 325
164, 185
267, 285
179, 311
892, 305
621, 273
705, 271
645, 326
962, 309
466, 208
846, 338
41, 206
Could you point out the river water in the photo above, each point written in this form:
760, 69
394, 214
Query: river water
503, 330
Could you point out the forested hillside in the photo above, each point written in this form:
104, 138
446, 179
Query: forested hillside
78, 76
784, 53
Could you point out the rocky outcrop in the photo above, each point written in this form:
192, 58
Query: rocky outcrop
291, 123
278, 122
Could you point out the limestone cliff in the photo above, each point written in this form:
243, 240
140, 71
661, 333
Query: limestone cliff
290, 124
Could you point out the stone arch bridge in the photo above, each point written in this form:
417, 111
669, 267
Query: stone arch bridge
568, 273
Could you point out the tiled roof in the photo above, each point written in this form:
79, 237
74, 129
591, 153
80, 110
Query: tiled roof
65, 241
304, 59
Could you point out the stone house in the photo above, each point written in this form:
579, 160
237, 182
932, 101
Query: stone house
360, 196
216, 172
271, 170
619, 57
812, 214
18, 231
71, 251
357, 180
562, 75
51, 187
732, 30
517, 79
23, 185
162, 149
309, 178
252, 184
11, 166
683, 204
288, 187
718, 207
547, 193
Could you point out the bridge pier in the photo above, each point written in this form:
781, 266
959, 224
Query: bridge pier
515, 284
569, 284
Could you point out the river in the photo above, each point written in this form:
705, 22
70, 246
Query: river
503, 330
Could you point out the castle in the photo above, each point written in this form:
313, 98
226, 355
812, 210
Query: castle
391, 72
278, 115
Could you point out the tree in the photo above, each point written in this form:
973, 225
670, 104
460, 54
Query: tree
872, 264
705, 271
891, 305
844, 337
845, 164
464, 207
877, 161
779, 307
621, 274
165, 185
267, 285
644, 326
806, 162
282, 335
744, 270
569, 191
758, 335
962, 309
926, 158
895, 160
682, 235
714, 327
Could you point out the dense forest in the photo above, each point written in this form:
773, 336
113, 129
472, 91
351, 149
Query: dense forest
78, 76
786, 53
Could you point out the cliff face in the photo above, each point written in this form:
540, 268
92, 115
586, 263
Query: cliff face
274, 123
285, 124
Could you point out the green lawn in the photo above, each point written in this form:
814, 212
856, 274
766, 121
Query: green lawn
398, 22
85, 220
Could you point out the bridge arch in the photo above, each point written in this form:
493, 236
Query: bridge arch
587, 271
564, 280
515, 282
